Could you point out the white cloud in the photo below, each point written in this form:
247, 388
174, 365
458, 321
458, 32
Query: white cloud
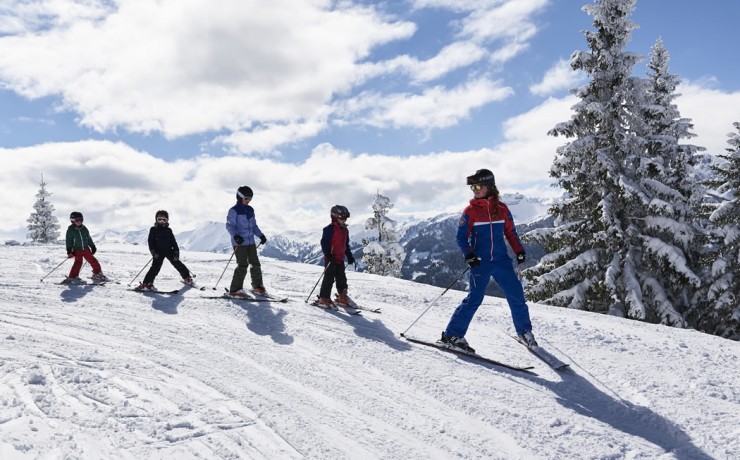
712, 111
183, 67
435, 108
558, 77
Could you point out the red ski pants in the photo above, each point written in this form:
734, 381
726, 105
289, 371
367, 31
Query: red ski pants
89, 257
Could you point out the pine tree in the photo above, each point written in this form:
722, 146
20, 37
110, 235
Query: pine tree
664, 197
721, 312
383, 255
43, 227
592, 261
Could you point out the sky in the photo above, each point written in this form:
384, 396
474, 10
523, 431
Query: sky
100, 372
127, 107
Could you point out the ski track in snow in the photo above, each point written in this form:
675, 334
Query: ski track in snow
103, 372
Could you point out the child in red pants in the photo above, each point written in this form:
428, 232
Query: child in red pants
80, 246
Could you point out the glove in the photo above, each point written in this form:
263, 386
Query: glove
263, 238
70, 254
176, 256
521, 257
238, 239
155, 255
350, 258
472, 260
93, 249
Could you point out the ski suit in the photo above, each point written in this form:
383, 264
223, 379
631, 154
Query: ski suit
334, 245
241, 221
162, 245
484, 229
80, 245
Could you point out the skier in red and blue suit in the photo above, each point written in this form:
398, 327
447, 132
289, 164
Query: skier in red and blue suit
485, 227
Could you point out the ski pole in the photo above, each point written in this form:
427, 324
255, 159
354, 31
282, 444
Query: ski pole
435, 301
137, 275
317, 282
227, 266
54, 269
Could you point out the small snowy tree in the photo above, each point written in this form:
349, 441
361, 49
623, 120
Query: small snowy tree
383, 255
43, 227
721, 312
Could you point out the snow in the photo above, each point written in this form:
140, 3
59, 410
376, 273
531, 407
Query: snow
102, 372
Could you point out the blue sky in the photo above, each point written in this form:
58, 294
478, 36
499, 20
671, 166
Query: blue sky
127, 107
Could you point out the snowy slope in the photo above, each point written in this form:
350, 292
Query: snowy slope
101, 372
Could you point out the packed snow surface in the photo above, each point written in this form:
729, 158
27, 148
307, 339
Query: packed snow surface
95, 372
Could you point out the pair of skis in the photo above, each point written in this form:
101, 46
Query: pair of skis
542, 354
351, 307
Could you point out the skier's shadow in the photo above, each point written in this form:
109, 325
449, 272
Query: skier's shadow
167, 303
262, 319
582, 397
373, 329
75, 292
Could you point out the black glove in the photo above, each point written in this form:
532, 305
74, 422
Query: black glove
238, 239
521, 257
263, 238
472, 260
155, 255
350, 258
93, 249
176, 256
70, 253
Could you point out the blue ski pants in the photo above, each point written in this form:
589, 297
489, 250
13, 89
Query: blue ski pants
503, 273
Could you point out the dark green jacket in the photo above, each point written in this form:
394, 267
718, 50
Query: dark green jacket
78, 238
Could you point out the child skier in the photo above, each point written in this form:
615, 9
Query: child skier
241, 224
335, 246
80, 245
162, 245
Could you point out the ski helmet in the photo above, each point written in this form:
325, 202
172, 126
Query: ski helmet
162, 213
75, 215
482, 177
339, 212
244, 192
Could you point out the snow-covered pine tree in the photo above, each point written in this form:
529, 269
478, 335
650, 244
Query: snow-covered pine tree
592, 262
664, 197
43, 227
383, 254
721, 312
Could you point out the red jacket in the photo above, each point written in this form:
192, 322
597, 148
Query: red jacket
335, 242
484, 230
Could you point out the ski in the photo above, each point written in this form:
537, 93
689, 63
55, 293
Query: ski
545, 356
193, 285
271, 297
354, 305
336, 306
242, 299
172, 292
476, 356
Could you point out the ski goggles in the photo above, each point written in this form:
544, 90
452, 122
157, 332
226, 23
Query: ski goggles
76, 219
162, 219
476, 187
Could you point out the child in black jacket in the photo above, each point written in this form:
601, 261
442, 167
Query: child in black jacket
162, 245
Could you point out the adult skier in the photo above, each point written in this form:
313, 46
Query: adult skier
485, 227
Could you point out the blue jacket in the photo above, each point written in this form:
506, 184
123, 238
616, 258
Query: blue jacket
241, 221
485, 228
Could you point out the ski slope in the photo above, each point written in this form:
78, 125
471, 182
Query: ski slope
101, 372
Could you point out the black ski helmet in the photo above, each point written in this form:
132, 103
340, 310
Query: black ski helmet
75, 215
244, 192
162, 213
482, 177
339, 211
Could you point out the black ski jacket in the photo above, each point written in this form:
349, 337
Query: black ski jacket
162, 241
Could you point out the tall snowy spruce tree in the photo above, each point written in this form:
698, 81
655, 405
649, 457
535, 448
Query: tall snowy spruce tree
43, 227
621, 230
721, 312
383, 255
